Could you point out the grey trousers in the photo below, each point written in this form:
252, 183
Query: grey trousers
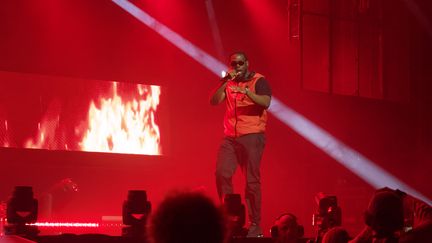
245, 151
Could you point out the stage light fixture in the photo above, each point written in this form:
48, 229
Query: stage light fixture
22, 210
236, 214
328, 215
136, 210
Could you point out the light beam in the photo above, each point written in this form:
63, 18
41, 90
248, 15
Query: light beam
349, 158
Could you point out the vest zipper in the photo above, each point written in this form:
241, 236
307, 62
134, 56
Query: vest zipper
235, 114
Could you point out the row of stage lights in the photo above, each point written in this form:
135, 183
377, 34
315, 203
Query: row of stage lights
22, 211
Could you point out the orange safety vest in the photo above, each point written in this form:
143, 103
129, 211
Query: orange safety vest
242, 115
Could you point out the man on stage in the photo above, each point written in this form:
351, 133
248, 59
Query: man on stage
247, 95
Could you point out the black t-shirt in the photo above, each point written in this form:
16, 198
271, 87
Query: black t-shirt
262, 87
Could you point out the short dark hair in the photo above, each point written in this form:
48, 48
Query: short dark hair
336, 235
239, 53
385, 213
187, 217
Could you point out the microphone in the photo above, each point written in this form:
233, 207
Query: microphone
232, 77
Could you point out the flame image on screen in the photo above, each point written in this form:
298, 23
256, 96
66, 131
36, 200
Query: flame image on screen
119, 126
4, 133
62, 113
49, 133
74, 114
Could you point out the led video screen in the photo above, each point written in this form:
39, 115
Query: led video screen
60, 113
